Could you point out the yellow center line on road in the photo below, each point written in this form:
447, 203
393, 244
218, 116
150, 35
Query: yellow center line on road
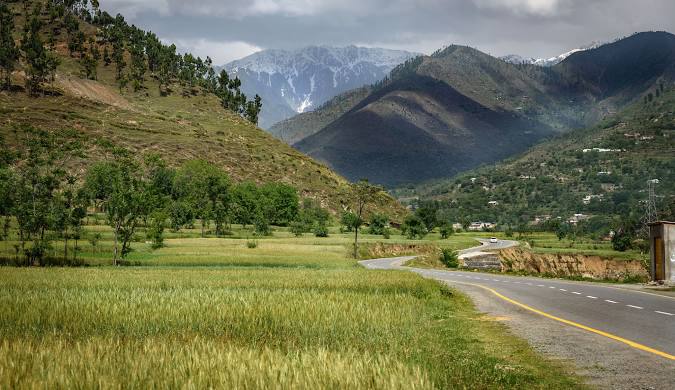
575, 324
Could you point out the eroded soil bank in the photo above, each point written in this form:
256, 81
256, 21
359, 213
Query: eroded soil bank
520, 259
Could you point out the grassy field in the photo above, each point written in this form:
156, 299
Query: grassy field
290, 313
545, 242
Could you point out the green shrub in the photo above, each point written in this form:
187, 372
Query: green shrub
446, 230
413, 227
297, 228
449, 258
621, 241
251, 244
321, 230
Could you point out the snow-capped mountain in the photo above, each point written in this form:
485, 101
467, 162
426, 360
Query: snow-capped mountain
516, 59
296, 81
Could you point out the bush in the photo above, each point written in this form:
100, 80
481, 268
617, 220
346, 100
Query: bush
251, 244
449, 258
321, 230
262, 226
446, 230
378, 223
297, 228
386, 233
621, 241
155, 231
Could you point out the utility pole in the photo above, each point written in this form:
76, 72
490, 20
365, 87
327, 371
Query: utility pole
651, 215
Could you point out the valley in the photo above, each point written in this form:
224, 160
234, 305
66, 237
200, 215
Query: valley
308, 215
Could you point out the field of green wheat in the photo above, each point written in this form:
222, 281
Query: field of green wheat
286, 313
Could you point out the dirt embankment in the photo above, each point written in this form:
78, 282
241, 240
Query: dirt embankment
92, 90
382, 250
565, 265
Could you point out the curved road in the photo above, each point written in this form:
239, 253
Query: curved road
638, 320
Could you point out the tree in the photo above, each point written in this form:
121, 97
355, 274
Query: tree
9, 53
155, 231
363, 193
106, 57
206, 188
348, 220
38, 185
180, 215
245, 203
427, 212
41, 64
124, 198
311, 218
138, 65
446, 230
89, 65
621, 241
414, 227
284, 202
253, 109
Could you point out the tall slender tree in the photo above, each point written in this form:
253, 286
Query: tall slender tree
9, 53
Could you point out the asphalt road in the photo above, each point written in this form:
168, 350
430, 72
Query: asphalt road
639, 317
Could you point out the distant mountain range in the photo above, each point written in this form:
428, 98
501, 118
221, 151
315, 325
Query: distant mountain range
517, 59
438, 115
297, 81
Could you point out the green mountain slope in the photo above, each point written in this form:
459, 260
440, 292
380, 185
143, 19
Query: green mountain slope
601, 171
438, 115
177, 126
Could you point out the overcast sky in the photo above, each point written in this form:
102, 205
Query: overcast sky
231, 29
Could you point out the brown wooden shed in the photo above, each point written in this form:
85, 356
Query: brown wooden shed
662, 251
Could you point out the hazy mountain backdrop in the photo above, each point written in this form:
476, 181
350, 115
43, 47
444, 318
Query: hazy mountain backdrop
297, 81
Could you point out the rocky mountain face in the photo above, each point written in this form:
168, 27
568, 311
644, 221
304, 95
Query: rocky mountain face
297, 81
436, 116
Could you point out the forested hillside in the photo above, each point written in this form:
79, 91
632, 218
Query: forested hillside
67, 65
601, 172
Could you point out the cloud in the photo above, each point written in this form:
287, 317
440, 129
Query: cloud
534, 7
536, 28
220, 52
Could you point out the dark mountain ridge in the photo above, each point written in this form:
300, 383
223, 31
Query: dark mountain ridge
438, 115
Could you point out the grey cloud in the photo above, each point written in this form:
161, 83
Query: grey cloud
537, 28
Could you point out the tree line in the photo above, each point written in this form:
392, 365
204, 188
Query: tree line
44, 196
134, 53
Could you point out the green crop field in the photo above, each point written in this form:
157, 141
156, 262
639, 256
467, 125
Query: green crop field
289, 313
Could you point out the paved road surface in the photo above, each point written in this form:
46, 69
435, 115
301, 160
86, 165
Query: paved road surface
639, 317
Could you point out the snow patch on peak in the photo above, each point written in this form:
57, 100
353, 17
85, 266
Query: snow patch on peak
516, 59
304, 105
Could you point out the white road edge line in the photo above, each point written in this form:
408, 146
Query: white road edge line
591, 296
635, 307
663, 312
574, 292
562, 289
610, 301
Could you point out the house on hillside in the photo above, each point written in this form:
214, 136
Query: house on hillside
576, 218
588, 198
478, 226
493, 203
